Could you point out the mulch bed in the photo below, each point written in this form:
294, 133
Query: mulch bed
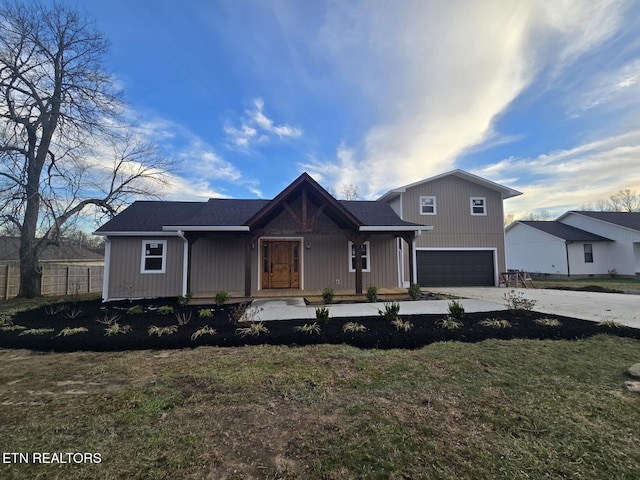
380, 333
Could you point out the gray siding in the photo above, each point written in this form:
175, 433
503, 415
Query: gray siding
125, 279
453, 224
217, 263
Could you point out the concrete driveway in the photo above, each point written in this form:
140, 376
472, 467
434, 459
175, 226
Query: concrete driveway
622, 308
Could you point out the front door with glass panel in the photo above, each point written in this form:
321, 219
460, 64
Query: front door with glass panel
280, 264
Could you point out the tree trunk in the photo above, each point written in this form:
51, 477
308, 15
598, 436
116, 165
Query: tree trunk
30, 272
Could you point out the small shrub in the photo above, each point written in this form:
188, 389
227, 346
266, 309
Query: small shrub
402, 325
495, 323
5, 320
610, 323
549, 322
372, 294
254, 329
390, 311
236, 312
73, 313
12, 328
108, 319
309, 328
351, 327
165, 310
613, 273
449, 323
183, 318
116, 328
36, 331
65, 332
183, 300
205, 313
221, 297
414, 291
170, 330
55, 308
206, 330
322, 313
327, 295
135, 310
456, 310
516, 302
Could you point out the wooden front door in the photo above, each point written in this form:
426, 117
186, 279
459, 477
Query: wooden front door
280, 264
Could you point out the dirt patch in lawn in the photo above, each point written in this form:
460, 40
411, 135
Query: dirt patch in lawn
164, 324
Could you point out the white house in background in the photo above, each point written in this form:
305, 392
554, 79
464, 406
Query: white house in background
577, 244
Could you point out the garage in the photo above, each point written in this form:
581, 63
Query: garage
459, 268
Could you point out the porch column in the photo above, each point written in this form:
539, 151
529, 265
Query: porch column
357, 243
247, 266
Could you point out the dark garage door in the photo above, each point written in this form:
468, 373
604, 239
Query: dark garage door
455, 268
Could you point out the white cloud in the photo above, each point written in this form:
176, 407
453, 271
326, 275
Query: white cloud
566, 179
258, 128
440, 73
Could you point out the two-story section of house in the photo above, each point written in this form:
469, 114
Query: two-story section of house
467, 244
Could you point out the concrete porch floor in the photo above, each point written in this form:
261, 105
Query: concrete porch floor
208, 298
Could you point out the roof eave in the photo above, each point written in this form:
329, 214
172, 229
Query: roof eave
206, 228
396, 228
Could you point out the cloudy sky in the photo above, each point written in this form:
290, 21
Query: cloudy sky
542, 96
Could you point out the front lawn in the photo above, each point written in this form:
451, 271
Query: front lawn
498, 409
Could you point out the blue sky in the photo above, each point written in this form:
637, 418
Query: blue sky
542, 96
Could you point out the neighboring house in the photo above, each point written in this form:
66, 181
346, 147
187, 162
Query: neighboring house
467, 244
577, 244
305, 239
62, 253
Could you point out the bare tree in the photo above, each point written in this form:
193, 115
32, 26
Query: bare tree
58, 107
625, 201
349, 192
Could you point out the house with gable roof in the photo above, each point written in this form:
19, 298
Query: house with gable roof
304, 239
577, 244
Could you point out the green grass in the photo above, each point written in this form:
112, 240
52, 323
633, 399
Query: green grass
491, 410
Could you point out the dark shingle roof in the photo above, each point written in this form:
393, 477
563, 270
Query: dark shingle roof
624, 219
151, 216
565, 232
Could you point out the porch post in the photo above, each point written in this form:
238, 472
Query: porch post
247, 266
357, 242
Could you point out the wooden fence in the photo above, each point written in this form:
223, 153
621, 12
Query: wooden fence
56, 279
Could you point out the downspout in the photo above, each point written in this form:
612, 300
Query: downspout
185, 262
566, 247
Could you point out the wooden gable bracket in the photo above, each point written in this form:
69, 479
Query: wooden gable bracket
293, 215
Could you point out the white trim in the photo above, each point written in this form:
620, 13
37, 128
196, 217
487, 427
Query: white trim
367, 256
496, 273
300, 259
207, 228
143, 257
395, 228
105, 272
435, 208
414, 260
484, 206
137, 234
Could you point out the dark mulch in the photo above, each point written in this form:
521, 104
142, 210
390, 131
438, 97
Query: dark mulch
379, 334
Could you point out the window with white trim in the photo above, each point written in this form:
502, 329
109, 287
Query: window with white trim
478, 206
588, 253
366, 267
427, 205
154, 256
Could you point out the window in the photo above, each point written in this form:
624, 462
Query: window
427, 205
588, 253
478, 206
154, 254
365, 257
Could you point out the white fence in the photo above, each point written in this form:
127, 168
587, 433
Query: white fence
56, 279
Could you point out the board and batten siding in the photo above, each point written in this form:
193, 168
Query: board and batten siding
125, 279
453, 224
217, 263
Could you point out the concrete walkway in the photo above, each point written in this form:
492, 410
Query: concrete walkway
622, 308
